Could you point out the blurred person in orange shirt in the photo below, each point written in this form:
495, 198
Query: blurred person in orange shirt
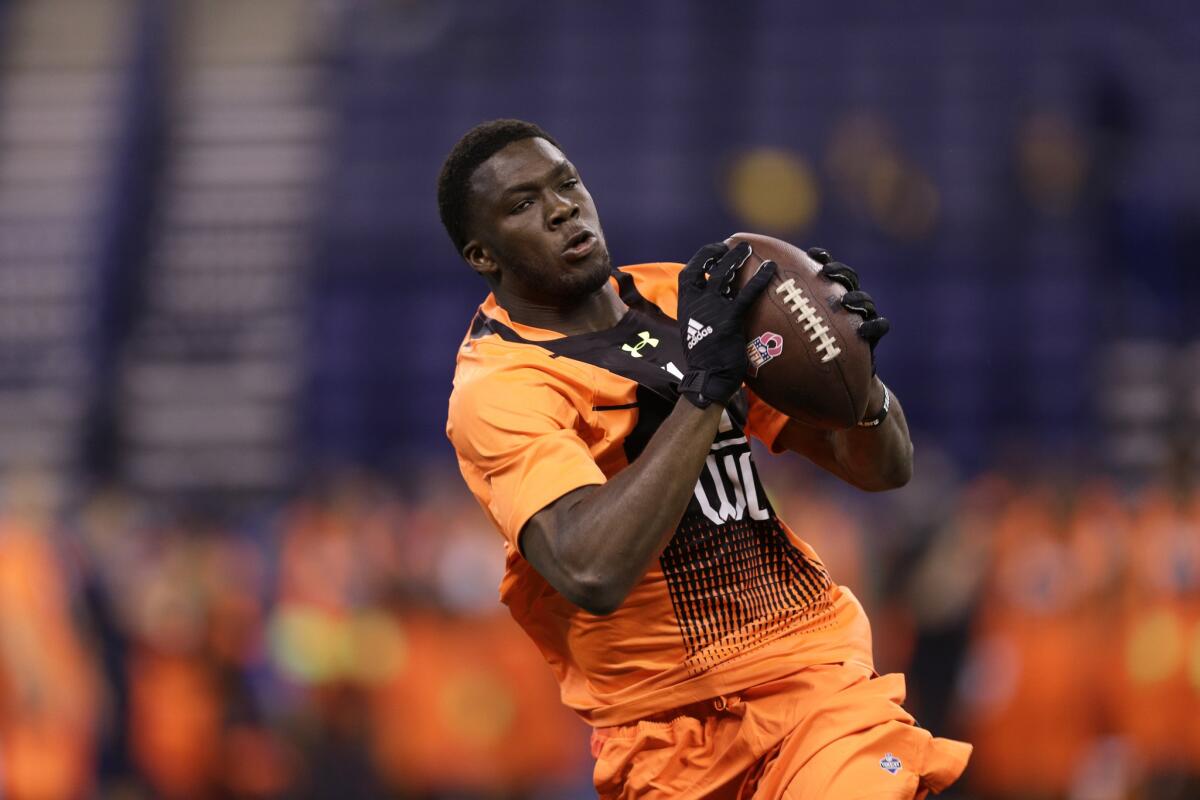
48, 684
192, 611
175, 706
382, 623
1155, 680
490, 717
1030, 696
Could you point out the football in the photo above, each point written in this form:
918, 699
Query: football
806, 357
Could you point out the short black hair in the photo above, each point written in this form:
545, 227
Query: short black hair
475, 147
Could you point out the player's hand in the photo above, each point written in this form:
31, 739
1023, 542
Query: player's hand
711, 315
873, 326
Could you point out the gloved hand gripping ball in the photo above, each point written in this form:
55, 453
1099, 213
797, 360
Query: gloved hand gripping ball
712, 313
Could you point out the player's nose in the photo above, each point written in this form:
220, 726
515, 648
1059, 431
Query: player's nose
562, 210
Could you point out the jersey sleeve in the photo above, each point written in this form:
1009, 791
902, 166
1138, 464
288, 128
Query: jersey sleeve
516, 439
659, 283
763, 421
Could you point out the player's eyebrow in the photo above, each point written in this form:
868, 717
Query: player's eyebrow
560, 167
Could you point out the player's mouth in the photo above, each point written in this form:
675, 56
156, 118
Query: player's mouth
580, 245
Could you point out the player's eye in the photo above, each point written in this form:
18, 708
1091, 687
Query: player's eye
521, 206
570, 183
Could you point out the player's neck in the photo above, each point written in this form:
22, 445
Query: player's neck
599, 311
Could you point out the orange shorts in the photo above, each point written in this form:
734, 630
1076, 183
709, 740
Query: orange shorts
830, 732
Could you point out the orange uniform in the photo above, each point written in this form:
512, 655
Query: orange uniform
48, 691
1156, 684
1033, 709
736, 599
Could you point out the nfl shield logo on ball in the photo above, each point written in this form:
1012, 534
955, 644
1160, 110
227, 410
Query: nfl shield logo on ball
890, 763
764, 348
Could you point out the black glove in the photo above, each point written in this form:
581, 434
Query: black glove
873, 326
711, 316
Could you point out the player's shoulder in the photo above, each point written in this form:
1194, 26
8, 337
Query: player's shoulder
503, 392
657, 281
493, 364
491, 371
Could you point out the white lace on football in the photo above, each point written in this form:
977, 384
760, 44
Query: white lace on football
816, 328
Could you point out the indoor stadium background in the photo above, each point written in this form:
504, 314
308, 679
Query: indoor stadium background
236, 559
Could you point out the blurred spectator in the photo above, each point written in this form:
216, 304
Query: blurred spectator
1028, 690
1155, 689
48, 686
350, 643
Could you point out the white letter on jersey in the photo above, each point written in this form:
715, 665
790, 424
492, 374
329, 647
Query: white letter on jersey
756, 511
738, 478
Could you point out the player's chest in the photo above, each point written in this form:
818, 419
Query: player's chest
636, 367
644, 349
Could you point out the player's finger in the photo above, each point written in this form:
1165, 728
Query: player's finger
839, 272
755, 286
731, 276
726, 269
732, 259
819, 255
860, 303
696, 271
739, 255
692, 275
709, 253
874, 329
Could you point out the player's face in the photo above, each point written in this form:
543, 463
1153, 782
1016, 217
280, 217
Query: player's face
536, 229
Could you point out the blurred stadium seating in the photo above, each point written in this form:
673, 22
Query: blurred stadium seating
235, 557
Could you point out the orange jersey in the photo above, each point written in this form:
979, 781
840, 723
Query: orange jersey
735, 600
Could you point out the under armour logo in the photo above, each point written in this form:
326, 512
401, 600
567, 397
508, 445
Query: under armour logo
646, 339
695, 332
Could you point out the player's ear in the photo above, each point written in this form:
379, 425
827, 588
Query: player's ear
480, 257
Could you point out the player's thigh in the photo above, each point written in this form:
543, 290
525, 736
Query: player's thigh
883, 762
684, 759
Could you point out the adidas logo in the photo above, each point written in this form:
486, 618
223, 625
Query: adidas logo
696, 332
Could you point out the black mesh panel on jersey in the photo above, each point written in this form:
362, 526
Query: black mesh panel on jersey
737, 585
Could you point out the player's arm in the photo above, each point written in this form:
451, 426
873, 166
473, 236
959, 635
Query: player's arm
874, 457
595, 543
